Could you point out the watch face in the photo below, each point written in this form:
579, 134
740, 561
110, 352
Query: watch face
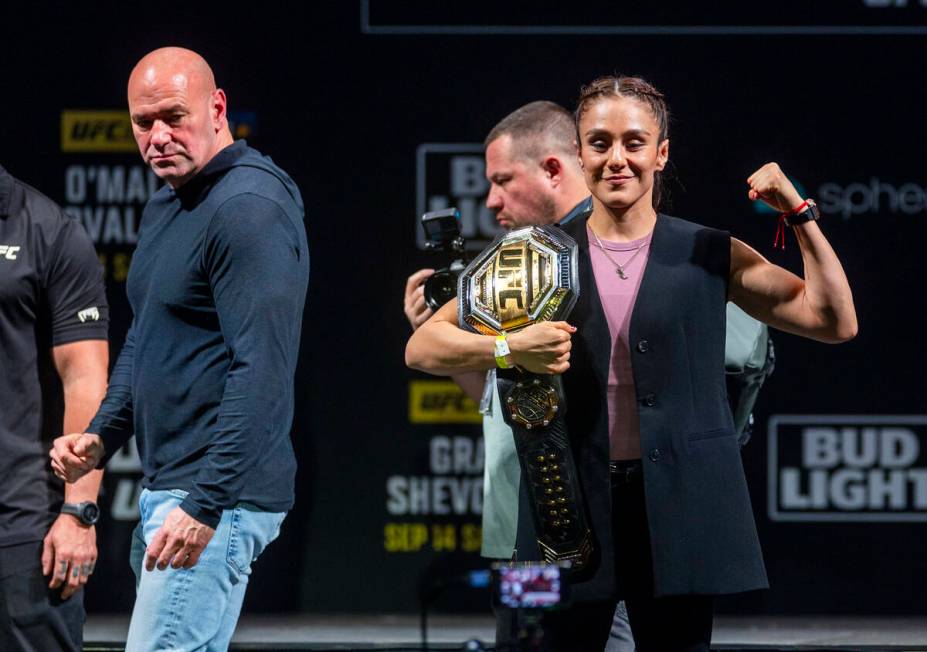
90, 513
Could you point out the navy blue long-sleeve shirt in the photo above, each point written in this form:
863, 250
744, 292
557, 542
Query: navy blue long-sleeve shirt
205, 379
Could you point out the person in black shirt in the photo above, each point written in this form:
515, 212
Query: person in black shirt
53, 318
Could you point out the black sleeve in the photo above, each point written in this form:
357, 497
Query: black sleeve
252, 256
114, 420
74, 288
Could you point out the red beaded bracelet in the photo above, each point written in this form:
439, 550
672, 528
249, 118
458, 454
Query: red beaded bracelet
780, 229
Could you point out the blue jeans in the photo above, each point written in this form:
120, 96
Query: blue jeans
195, 608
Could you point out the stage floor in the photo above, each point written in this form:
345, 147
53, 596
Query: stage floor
344, 632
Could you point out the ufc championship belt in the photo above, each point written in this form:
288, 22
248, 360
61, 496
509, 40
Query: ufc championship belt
526, 276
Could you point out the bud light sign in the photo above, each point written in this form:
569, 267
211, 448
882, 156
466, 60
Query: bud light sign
848, 468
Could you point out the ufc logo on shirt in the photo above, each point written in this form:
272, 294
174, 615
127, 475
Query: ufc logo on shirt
9, 251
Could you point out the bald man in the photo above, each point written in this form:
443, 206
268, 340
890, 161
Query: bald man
205, 378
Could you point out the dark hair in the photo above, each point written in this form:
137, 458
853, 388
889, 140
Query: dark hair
635, 88
537, 129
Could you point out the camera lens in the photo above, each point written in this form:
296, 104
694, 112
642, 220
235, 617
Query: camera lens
440, 288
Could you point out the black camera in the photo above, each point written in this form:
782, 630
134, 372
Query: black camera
442, 234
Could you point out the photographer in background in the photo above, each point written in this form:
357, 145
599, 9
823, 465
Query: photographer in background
535, 179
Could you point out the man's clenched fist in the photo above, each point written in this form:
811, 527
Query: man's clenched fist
74, 455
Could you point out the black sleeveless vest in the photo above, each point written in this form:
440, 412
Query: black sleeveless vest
702, 531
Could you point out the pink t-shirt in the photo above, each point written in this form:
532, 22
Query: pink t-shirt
618, 296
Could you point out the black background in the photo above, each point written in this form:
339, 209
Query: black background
343, 112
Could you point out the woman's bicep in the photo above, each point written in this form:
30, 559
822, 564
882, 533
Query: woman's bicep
766, 291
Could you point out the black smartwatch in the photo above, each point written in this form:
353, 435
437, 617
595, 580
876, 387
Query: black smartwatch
87, 512
810, 213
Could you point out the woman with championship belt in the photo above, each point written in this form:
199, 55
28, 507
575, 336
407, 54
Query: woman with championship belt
643, 370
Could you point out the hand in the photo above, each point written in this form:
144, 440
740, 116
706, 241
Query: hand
74, 455
69, 554
542, 348
770, 184
417, 311
179, 542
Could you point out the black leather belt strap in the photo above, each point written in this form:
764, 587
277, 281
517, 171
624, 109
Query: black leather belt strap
546, 458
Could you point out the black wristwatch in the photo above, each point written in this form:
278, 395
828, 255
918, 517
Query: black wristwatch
87, 512
810, 213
